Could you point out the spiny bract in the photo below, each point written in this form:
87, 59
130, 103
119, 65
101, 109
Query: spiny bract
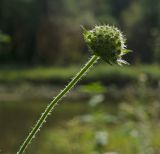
106, 42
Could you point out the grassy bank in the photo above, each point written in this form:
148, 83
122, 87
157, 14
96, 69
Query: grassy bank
104, 73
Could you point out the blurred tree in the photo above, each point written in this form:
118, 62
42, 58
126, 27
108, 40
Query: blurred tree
156, 45
48, 31
4, 46
117, 7
140, 20
18, 19
151, 23
131, 19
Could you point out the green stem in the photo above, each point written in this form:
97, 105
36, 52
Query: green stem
54, 102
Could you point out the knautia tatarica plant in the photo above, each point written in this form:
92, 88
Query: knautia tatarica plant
105, 42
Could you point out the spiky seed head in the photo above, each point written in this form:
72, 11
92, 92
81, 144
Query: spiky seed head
106, 42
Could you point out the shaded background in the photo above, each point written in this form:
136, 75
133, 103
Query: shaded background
113, 110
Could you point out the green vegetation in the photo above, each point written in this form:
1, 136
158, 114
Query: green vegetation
128, 128
104, 73
85, 127
80, 138
114, 110
48, 31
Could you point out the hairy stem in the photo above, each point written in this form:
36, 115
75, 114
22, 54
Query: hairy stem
54, 102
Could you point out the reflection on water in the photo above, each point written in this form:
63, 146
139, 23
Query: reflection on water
17, 120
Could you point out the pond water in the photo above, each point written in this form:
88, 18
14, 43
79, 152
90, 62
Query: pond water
17, 119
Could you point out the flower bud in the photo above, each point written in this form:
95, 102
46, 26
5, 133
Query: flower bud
106, 42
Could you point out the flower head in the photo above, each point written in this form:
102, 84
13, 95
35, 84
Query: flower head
106, 42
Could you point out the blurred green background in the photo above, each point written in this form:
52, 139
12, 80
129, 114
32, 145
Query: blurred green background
113, 110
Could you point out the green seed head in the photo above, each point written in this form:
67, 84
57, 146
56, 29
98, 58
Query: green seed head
106, 42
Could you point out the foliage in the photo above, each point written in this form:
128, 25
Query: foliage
129, 130
110, 75
47, 31
126, 117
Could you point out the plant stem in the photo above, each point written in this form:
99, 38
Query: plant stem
54, 102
